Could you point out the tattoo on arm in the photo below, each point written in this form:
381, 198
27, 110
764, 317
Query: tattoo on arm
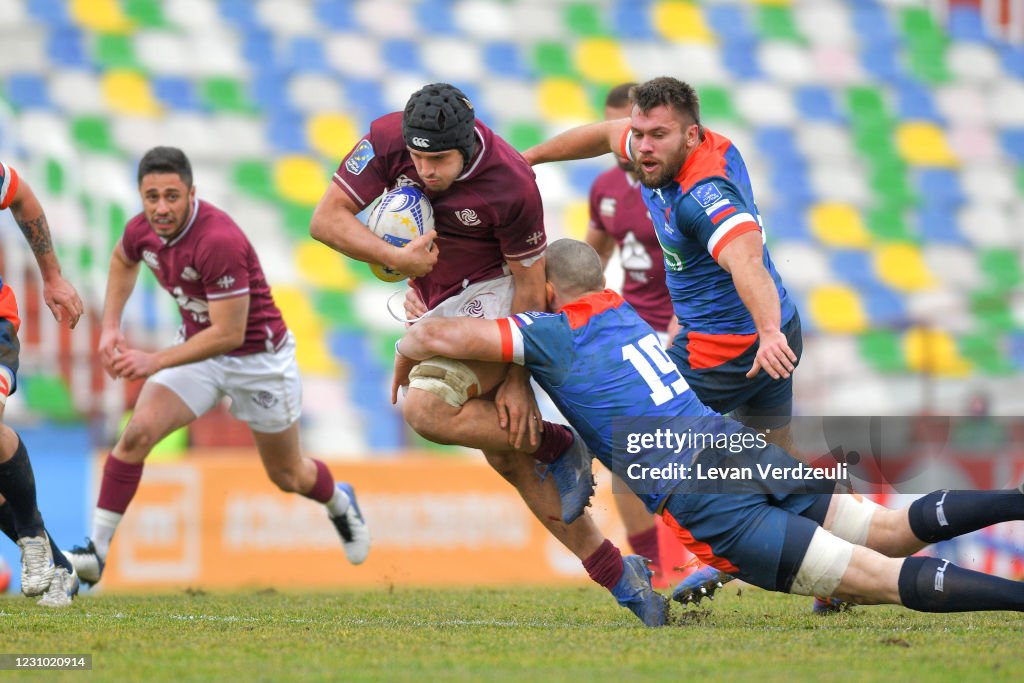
37, 232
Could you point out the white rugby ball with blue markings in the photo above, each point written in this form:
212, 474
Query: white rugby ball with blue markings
401, 215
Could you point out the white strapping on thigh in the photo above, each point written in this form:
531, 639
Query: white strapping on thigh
851, 520
824, 565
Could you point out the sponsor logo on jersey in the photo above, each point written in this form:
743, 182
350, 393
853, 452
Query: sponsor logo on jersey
189, 274
359, 158
468, 217
421, 142
150, 258
607, 206
264, 399
706, 194
225, 282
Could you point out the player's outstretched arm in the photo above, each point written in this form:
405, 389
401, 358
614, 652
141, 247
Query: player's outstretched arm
336, 225
582, 142
459, 338
60, 296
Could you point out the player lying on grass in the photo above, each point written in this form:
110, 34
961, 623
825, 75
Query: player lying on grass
599, 361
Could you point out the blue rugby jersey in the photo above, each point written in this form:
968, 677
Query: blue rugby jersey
698, 213
600, 362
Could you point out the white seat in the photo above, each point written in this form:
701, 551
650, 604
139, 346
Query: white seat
194, 134
15, 15
316, 92
222, 54
786, 63
288, 18
839, 181
165, 53
553, 184
77, 92
649, 59
820, 141
955, 266
45, 133
973, 63
540, 21
694, 63
354, 55
989, 183
836, 65
240, 136
386, 18
398, 88
192, 14
988, 225
824, 22
765, 103
802, 265
24, 50
943, 308
104, 177
963, 103
515, 99
1006, 104
972, 143
136, 134
486, 20
452, 60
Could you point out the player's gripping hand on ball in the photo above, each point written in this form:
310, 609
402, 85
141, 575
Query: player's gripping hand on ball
418, 257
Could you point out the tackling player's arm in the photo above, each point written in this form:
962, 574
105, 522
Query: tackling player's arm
336, 225
60, 297
228, 321
743, 258
459, 338
582, 142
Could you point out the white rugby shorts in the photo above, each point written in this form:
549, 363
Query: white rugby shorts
490, 299
265, 388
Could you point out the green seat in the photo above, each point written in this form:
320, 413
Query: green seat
92, 133
145, 12
296, 219
883, 351
928, 63
889, 183
776, 23
56, 180
225, 94
887, 223
48, 395
919, 26
525, 134
1001, 267
553, 60
115, 52
716, 104
584, 20
1020, 180
117, 218
983, 351
253, 177
991, 308
866, 103
384, 344
337, 309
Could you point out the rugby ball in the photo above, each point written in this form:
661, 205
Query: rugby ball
401, 215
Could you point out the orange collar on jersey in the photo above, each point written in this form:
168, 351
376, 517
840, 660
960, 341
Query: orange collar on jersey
706, 161
580, 312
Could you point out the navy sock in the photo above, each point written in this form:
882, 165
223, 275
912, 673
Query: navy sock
18, 487
7, 522
942, 515
928, 584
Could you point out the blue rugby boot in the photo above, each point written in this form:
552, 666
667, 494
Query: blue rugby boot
634, 591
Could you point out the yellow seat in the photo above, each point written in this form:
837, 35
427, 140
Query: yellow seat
837, 309
564, 100
323, 267
576, 219
600, 60
332, 135
681, 21
839, 226
300, 179
934, 352
902, 266
924, 144
776, 3
308, 327
128, 92
100, 16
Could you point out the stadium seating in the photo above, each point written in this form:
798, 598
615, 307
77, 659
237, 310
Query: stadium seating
886, 144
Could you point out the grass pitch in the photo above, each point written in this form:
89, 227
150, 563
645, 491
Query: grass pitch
542, 634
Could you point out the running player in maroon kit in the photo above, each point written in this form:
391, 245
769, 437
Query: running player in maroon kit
485, 259
233, 342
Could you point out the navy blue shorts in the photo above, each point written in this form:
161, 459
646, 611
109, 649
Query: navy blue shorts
760, 535
10, 347
760, 403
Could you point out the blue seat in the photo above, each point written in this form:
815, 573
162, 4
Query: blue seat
305, 53
505, 59
883, 61
286, 132
792, 184
939, 187
268, 88
740, 58
402, 56
1012, 57
854, 267
885, 307
65, 47
632, 19
1016, 350
365, 96
871, 21
818, 103
787, 222
350, 347
730, 22
1013, 143
939, 224
241, 13
177, 93
435, 17
258, 49
53, 12
336, 15
965, 23
915, 101
28, 91
583, 175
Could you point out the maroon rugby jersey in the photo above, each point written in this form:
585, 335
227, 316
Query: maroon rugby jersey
617, 208
491, 214
210, 259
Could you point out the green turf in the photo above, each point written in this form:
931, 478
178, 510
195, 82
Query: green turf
570, 634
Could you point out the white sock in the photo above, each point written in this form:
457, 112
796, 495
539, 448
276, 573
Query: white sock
104, 524
338, 504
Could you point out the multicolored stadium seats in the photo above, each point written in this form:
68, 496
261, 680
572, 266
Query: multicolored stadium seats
886, 145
